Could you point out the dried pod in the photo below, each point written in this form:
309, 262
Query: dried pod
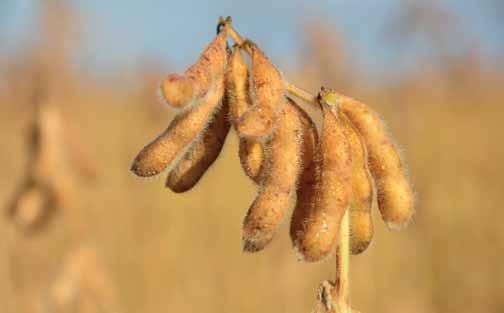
251, 154
269, 89
309, 135
282, 167
237, 90
319, 224
184, 130
182, 91
308, 178
202, 154
237, 86
361, 222
394, 193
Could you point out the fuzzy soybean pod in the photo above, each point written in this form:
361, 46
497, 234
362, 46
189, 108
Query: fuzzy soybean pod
361, 222
237, 90
306, 191
251, 154
394, 193
237, 86
282, 167
183, 91
309, 135
202, 154
184, 130
318, 224
269, 89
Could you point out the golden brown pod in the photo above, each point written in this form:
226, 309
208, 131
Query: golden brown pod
251, 154
282, 157
308, 178
184, 130
269, 90
318, 225
237, 86
182, 91
309, 135
202, 154
394, 193
237, 89
361, 222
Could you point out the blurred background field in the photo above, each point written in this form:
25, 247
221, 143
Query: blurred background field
433, 69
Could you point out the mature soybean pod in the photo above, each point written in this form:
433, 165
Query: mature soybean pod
309, 135
319, 224
269, 90
282, 157
394, 193
361, 222
184, 130
237, 91
202, 154
308, 179
182, 91
251, 154
237, 86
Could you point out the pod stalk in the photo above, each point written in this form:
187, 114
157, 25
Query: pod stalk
341, 292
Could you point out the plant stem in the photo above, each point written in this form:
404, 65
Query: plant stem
301, 93
342, 282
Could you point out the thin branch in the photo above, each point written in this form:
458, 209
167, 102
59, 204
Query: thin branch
301, 93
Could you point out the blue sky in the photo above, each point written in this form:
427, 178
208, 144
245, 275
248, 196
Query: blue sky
119, 33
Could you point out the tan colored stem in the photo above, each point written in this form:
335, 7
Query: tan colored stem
334, 296
301, 93
342, 283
